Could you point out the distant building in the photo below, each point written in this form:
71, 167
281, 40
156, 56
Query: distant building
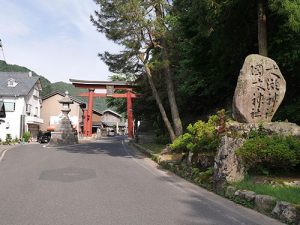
112, 121
51, 111
20, 94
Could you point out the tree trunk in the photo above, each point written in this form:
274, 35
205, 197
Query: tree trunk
168, 76
170, 89
159, 103
262, 28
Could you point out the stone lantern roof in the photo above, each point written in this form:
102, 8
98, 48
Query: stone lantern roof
66, 99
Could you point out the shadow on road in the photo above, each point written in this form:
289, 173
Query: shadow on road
111, 146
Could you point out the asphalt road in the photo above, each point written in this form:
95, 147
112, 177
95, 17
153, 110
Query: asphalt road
105, 183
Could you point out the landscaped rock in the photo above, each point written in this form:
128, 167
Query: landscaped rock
244, 194
282, 128
175, 158
227, 167
295, 183
230, 190
264, 203
286, 212
260, 90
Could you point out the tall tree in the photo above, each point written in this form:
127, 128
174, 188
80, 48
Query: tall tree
262, 27
140, 26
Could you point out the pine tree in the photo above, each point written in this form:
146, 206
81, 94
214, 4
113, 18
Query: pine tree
141, 28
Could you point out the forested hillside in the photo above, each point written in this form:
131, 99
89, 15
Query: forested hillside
48, 87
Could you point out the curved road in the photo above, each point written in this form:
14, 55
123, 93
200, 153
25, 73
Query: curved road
105, 183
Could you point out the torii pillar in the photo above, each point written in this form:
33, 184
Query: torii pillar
110, 86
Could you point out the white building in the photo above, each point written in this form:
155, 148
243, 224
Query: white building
20, 94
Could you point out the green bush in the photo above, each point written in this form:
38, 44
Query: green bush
26, 136
8, 139
270, 152
180, 143
200, 137
16, 140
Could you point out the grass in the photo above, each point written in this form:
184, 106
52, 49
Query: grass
154, 148
282, 193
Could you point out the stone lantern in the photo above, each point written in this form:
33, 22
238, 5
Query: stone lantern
65, 101
63, 133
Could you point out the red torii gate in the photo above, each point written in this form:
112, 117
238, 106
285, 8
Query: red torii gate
109, 86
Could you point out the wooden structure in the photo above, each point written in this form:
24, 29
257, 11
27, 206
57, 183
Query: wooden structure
109, 86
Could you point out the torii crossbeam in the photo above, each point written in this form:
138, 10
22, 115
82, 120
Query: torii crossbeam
109, 86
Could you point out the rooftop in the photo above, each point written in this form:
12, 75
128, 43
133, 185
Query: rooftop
23, 83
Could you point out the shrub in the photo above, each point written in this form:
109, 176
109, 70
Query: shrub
180, 143
26, 136
270, 153
8, 139
201, 136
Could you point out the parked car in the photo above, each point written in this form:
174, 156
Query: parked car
45, 137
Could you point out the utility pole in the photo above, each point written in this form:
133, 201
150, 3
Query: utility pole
1, 46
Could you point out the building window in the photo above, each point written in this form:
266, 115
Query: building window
36, 93
28, 108
11, 82
36, 111
10, 106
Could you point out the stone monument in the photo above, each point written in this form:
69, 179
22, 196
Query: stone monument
63, 133
260, 90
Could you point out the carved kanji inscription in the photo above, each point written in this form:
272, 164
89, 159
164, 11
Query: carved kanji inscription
260, 90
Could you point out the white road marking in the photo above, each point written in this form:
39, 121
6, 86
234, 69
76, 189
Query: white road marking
3, 153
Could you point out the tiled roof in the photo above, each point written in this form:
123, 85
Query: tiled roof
112, 112
23, 87
63, 95
57, 92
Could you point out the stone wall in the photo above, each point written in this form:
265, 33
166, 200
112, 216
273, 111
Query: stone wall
228, 167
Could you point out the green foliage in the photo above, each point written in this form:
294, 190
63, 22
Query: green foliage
198, 176
16, 140
208, 53
162, 139
200, 137
8, 139
154, 148
26, 136
281, 193
271, 153
290, 9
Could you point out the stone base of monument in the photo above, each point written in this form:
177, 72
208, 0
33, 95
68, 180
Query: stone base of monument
227, 167
64, 134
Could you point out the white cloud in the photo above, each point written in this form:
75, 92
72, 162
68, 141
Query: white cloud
11, 22
60, 41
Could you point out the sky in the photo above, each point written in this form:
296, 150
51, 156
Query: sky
54, 38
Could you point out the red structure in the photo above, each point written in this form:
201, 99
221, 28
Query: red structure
109, 86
